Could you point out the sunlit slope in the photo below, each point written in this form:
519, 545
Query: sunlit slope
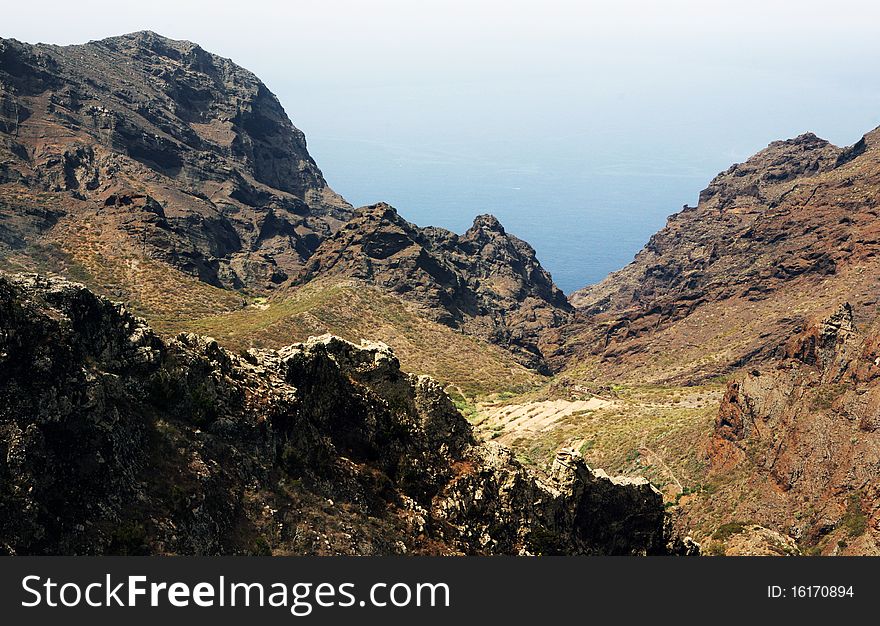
356, 311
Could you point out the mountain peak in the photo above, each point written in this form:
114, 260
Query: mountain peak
485, 282
205, 138
136, 44
141, 35
487, 222
381, 211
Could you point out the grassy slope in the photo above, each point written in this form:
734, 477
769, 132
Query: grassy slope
90, 248
356, 311
645, 431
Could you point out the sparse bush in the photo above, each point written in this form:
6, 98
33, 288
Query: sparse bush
854, 520
262, 547
726, 531
129, 539
826, 396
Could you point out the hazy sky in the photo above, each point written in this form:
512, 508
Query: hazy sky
581, 124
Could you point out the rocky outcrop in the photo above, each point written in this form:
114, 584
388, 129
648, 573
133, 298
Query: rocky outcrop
772, 241
485, 282
806, 424
114, 441
735, 539
86, 130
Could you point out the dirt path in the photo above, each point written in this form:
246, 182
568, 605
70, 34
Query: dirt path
655, 459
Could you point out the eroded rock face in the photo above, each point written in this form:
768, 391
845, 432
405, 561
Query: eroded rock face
97, 125
115, 441
486, 282
740, 213
807, 424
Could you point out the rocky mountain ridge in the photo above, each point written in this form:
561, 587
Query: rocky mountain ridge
117, 442
772, 242
485, 282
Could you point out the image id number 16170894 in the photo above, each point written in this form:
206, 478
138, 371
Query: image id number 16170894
810, 591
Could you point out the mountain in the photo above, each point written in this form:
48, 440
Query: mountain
788, 234
179, 151
485, 282
731, 363
145, 166
115, 441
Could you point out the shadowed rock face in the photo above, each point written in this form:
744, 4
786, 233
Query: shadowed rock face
486, 282
115, 441
807, 425
145, 116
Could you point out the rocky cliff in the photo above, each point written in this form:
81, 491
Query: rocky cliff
485, 282
115, 441
802, 431
181, 153
772, 241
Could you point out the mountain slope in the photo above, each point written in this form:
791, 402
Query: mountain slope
485, 282
789, 233
354, 310
796, 443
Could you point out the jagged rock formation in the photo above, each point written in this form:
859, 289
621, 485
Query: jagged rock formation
115, 441
804, 429
177, 152
771, 242
486, 282
738, 214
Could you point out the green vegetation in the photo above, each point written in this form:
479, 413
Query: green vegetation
261, 547
470, 368
854, 520
465, 407
715, 549
726, 531
825, 396
129, 539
